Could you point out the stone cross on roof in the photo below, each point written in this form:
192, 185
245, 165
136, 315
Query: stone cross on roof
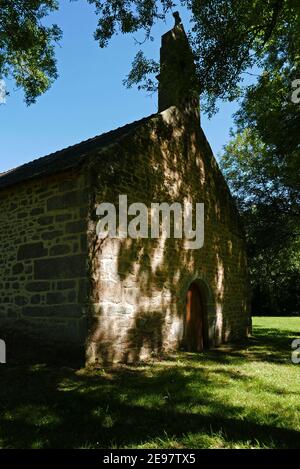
177, 18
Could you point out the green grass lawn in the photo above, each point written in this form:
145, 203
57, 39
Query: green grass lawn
246, 397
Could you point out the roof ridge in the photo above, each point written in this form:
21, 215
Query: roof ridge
67, 157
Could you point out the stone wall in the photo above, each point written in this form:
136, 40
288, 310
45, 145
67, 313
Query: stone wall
43, 259
126, 298
140, 286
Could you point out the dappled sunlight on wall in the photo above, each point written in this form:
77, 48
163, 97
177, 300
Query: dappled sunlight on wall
139, 286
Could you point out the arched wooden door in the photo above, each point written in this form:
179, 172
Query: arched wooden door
194, 320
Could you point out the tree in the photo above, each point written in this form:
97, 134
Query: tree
269, 204
262, 165
27, 51
228, 37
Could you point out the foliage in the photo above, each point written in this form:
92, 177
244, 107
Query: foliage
142, 69
128, 16
262, 165
27, 46
268, 197
228, 37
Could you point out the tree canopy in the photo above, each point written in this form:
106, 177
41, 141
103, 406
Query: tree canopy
27, 52
269, 205
228, 38
262, 166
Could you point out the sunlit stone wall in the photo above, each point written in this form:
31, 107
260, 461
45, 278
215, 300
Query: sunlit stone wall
139, 286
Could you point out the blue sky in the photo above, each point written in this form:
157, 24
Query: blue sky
88, 98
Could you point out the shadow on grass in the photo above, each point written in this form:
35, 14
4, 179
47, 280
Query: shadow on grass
47, 407
266, 345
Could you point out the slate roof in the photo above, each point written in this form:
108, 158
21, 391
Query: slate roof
68, 158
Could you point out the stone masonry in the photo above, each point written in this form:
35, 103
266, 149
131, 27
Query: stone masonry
122, 300
43, 258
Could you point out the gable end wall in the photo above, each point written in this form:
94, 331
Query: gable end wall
139, 287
